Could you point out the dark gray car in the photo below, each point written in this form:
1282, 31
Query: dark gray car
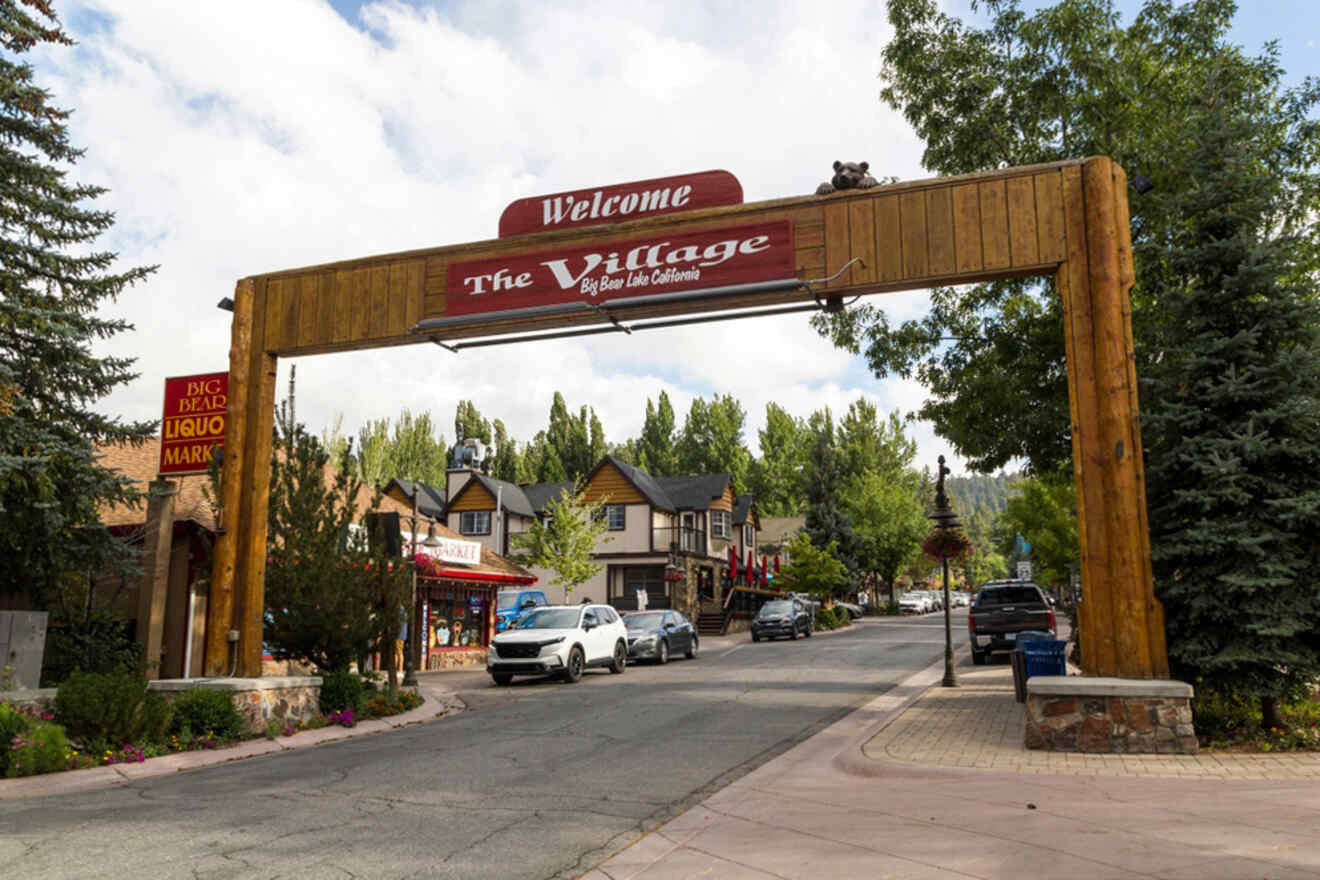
781, 617
655, 635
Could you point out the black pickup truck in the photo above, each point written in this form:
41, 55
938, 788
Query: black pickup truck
1002, 610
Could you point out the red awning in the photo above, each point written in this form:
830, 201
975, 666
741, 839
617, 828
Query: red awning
487, 577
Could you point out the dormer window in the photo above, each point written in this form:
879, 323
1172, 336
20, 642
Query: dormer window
719, 524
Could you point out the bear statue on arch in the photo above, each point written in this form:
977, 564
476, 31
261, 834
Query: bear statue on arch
848, 175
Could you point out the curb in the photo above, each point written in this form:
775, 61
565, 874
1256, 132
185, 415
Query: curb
887, 708
91, 778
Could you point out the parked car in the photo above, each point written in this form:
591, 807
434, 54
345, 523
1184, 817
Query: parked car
854, 611
1002, 610
512, 605
936, 600
960, 600
913, 602
782, 617
560, 640
655, 635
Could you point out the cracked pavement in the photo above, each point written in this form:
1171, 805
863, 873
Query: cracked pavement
539, 780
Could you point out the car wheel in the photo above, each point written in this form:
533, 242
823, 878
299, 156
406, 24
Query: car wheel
692, 649
576, 662
978, 657
502, 678
755, 637
620, 661
662, 652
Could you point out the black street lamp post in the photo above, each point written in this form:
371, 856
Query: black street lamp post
413, 649
945, 519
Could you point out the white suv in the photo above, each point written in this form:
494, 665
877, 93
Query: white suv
561, 640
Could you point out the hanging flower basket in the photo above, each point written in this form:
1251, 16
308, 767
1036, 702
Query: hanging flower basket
947, 544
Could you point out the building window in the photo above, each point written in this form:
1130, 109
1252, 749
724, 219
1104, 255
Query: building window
612, 515
749, 536
474, 522
719, 524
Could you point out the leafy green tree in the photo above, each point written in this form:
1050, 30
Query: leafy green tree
416, 450
469, 423
711, 441
1044, 511
505, 461
564, 540
889, 519
1233, 419
657, 452
56, 290
869, 444
777, 476
812, 569
373, 452
1064, 81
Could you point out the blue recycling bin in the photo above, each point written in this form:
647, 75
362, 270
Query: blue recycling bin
1044, 657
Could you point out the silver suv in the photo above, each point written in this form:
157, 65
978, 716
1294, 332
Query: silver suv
561, 640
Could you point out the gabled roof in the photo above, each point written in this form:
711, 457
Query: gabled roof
511, 496
694, 491
431, 501
742, 509
541, 494
780, 529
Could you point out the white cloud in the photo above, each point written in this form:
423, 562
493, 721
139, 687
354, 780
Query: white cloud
248, 136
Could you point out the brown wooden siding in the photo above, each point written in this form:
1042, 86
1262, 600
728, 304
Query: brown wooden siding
473, 496
609, 484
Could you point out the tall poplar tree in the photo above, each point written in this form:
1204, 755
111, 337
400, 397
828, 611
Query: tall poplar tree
54, 288
657, 447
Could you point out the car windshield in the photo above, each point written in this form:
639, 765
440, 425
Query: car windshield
644, 621
1008, 596
508, 601
551, 618
770, 608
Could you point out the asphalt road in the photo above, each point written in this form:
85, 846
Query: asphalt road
538, 780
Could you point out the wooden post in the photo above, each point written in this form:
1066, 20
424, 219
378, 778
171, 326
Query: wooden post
1121, 622
155, 582
220, 603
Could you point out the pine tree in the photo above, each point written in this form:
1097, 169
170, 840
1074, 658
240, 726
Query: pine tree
1232, 423
54, 287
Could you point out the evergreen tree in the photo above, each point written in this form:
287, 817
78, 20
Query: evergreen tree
54, 287
1233, 419
504, 463
469, 424
828, 522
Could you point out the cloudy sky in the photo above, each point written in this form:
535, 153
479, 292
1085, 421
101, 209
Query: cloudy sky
253, 135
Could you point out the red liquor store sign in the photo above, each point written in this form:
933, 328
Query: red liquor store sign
624, 201
193, 422
620, 269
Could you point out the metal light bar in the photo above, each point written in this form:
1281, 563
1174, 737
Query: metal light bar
650, 325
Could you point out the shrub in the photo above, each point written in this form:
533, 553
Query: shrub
44, 748
842, 617
200, 712
13, 723
112, 708
343, 690
825, 619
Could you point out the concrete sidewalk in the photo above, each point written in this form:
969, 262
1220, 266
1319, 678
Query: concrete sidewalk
928, 783
439, 702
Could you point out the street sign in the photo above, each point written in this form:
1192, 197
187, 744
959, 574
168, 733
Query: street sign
1024, 571
193, 422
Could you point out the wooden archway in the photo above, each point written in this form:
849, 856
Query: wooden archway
1066, 219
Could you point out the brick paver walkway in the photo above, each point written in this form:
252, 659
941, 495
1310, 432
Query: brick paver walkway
979, 726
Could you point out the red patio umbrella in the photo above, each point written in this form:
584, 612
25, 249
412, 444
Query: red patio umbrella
751, 568
733, 566
765, 572
776, 563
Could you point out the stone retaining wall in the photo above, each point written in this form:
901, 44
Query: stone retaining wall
259, 700
1109, 716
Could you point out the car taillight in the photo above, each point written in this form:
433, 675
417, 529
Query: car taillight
1051, 613
971, 622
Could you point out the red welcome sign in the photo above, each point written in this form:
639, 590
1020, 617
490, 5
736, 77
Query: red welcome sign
624, 201
193, 422
615, 270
